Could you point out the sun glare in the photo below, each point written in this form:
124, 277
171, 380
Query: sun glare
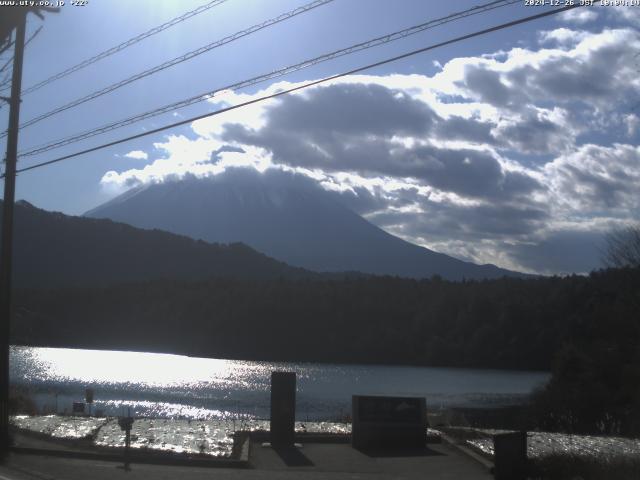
130, 367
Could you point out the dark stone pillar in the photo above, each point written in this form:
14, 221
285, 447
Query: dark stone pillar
283, 408
510, 456
388, 423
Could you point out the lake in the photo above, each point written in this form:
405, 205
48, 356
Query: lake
162, 385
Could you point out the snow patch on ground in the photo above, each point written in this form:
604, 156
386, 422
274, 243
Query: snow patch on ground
211, 436
54, 426
542, 444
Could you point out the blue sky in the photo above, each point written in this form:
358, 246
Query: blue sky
518, 148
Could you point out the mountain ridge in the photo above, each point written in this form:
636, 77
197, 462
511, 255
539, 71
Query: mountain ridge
287, 218
54, 249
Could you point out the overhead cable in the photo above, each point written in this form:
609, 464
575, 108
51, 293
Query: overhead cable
176, 61
122, 46
306, 85
268, 76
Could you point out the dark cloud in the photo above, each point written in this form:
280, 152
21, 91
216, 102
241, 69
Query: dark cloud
566, 78
534, 134
361, 200
466, 129
570, 251
487, 86
215, 155
600, 177
514, 231
604, 75
593, 188
305, 132
352, 110
338, 127
468, 173
442, 221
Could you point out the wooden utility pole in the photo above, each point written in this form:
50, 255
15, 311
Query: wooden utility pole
7, 229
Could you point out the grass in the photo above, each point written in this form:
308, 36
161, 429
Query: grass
576, 467
566, 466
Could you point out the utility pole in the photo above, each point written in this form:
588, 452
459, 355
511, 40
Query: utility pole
7, 228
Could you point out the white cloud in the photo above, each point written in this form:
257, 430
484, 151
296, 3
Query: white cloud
628, 14
201, 157
137, 154
632, 122
579, 15
596, 178
563, 36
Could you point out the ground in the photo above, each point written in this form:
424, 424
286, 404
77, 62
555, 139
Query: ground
312, 461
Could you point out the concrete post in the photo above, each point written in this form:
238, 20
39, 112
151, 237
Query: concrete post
283, 408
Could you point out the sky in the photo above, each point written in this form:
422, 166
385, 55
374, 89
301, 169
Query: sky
517, 148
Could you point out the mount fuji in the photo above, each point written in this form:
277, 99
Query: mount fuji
287, 217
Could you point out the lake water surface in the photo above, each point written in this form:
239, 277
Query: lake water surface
161, 385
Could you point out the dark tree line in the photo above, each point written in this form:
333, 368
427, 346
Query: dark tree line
507, 323
595, 383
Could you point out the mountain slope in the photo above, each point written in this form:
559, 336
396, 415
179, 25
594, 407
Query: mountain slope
284, 217
52, 249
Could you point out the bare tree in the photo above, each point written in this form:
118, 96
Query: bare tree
622, 247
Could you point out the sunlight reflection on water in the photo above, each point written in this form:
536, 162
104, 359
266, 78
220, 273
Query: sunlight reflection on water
163, 385
146, 369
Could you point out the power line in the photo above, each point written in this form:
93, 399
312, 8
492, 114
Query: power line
306, 85
10, 61
177, 60
271, 75
123, 45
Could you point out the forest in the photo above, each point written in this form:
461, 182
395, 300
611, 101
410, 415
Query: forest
506, 323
